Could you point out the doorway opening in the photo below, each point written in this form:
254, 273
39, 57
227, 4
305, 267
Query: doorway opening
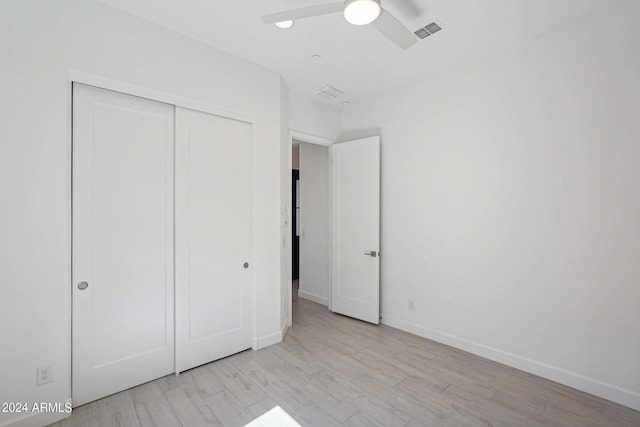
295, 227
338, 196
309, 233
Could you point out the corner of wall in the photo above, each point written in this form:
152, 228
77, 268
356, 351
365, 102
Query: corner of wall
285, 185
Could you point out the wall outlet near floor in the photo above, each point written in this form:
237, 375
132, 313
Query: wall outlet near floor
44, 375
411, 304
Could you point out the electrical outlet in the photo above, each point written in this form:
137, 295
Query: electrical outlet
44, 375
411, 305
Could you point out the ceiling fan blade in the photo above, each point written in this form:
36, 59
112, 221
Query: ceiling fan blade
303, 12
393, 29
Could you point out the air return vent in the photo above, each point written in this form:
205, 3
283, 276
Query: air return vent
426, 31
329, 93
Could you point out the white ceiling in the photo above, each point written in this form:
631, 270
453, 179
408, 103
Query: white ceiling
358, 60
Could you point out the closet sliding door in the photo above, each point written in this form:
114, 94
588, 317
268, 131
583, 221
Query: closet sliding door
161, 240
123, 323
213, 237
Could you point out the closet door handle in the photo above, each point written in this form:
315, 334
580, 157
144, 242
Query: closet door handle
83, 285
372, 254
246, 265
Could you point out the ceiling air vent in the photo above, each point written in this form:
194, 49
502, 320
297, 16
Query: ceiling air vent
329, 93
422, 33
433, 28
426, 31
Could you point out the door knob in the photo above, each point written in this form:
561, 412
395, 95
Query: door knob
246, 265
372, 254
83, 285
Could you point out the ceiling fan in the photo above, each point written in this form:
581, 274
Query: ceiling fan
356, 12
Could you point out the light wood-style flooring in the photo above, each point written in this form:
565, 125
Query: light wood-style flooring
335, 371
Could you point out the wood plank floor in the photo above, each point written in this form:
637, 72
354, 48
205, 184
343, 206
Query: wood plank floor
335, 371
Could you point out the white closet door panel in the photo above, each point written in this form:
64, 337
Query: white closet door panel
213, 237
122, 242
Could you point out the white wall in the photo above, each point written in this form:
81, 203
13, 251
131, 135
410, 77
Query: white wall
314, 117
510, 205
314, 213
40, 41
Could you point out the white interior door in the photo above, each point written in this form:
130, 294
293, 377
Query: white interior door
355, 229
213, 237
122, 242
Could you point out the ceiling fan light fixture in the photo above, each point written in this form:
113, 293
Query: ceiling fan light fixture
284, 24
361, 12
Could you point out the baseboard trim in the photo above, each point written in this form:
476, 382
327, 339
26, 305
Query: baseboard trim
267, 340
593, 386
312, 297
285, 328
37, 419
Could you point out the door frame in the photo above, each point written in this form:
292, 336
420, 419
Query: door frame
310, 139
75, 76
